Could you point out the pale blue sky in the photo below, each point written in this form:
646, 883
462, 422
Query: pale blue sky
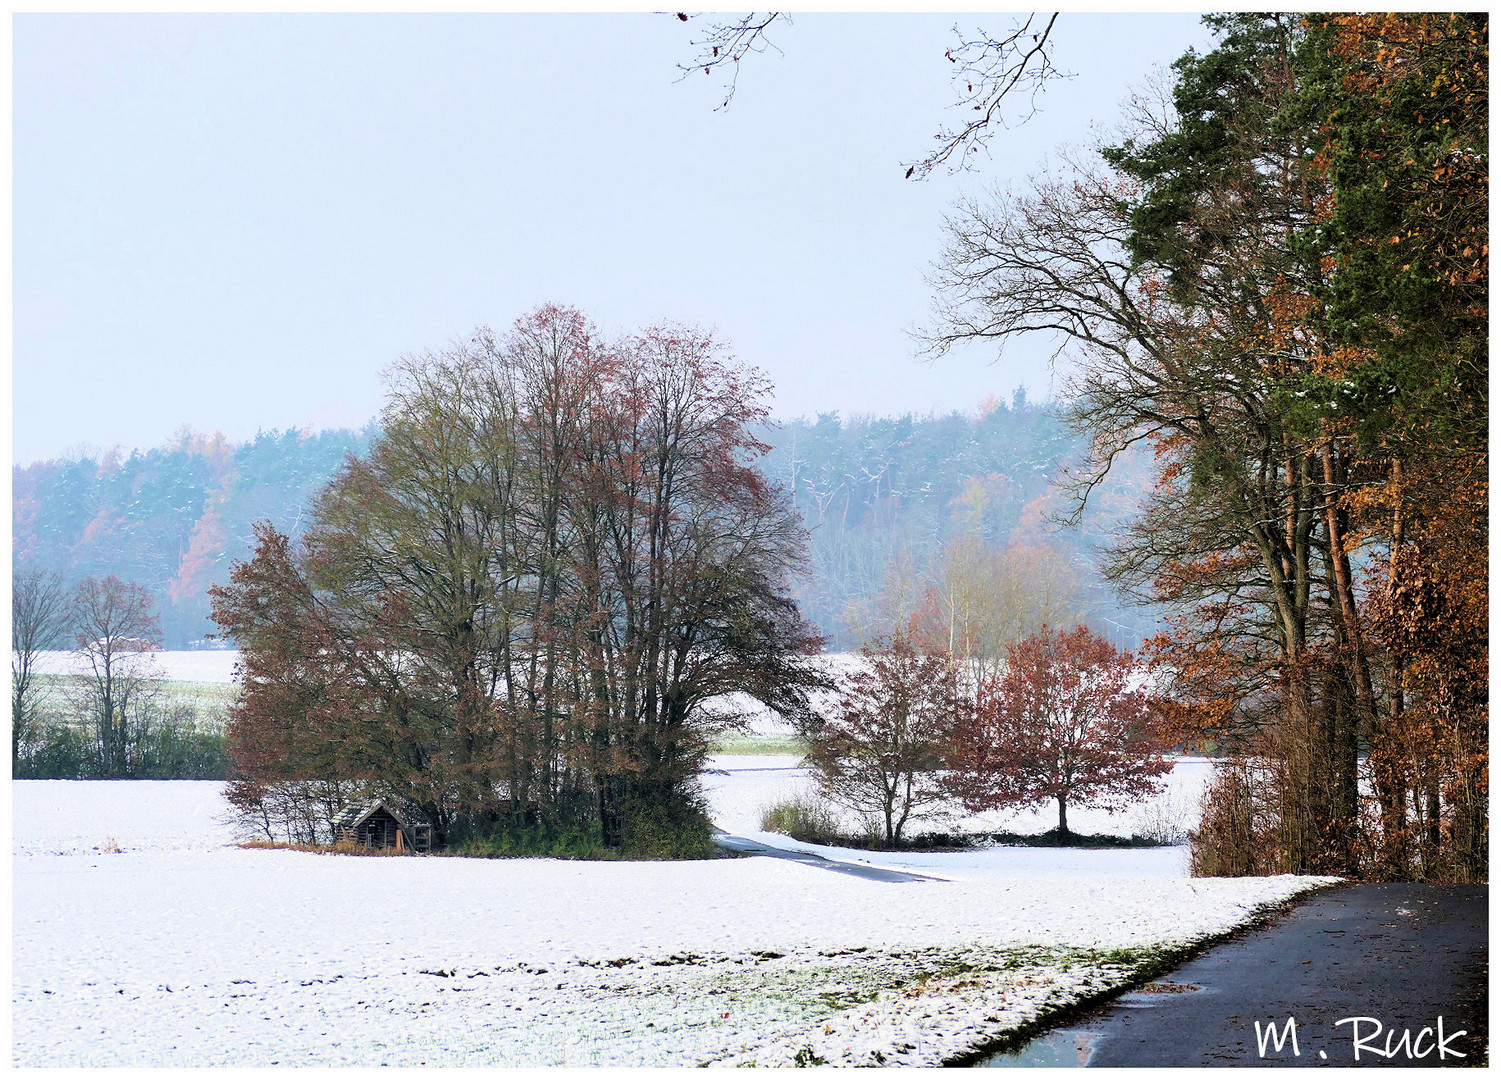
236, 222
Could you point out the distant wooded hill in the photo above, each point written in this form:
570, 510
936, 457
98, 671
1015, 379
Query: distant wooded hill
884, 495
875, 492
172, 518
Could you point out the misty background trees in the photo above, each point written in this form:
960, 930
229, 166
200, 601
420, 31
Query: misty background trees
934, 493
172, 518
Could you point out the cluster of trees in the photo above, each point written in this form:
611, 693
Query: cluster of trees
1276, 277
512, 611
114, 719
1059, 720
974, 600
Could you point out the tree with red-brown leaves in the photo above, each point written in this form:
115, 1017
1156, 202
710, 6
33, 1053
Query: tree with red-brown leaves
1063, 724
306, 730
881, 749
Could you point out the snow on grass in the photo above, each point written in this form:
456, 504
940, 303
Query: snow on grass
76, 817
182, 950
741, 787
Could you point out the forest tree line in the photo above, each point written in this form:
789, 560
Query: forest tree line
171, 518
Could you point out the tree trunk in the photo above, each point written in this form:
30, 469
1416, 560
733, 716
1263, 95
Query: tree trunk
1063, 815
1391, 785
1344, 584
108, 718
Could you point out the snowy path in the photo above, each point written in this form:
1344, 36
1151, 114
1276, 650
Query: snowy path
741, 846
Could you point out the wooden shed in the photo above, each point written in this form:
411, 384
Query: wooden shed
377, 825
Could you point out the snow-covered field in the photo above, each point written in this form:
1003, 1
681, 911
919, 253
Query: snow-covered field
196, 665
140, 937
217, 665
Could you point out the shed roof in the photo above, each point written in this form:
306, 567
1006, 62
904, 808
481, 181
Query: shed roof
357, 814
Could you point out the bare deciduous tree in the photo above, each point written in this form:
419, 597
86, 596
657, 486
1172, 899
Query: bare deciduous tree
879, 752
995, 72
39, 610
885, 612
724, 44
115, 634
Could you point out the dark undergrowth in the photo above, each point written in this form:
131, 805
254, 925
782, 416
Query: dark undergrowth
942, 841
1054, 838
809, 819
647, 835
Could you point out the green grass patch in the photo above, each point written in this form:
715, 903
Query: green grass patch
221, 695
761, 744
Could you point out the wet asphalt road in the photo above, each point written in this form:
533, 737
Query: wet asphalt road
1400, 955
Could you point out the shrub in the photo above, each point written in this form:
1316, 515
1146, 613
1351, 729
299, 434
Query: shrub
1226, 843
1162, 821
802, 817
179, 745
58, 752
521, 840
662, 832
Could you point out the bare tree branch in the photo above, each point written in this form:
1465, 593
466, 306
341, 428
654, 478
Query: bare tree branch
989, 70
992, 72
724, 44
